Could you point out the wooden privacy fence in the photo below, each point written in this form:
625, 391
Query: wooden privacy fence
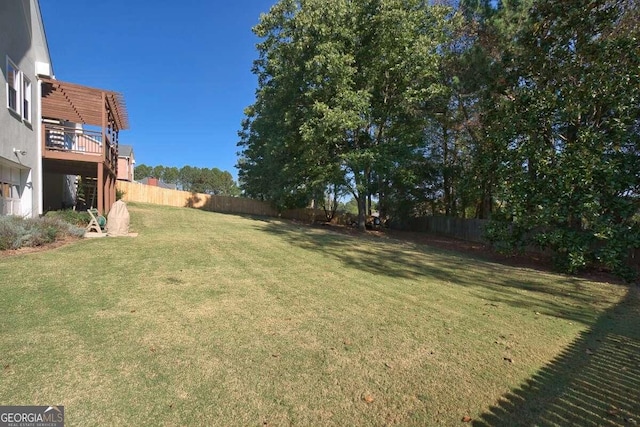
471, 230
466, 229
136, 192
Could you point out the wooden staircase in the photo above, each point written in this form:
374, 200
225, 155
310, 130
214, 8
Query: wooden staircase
87, 193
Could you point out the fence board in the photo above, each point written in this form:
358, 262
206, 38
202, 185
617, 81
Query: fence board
136, 192
471, 230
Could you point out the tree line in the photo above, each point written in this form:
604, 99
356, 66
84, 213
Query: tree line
523, 112
188, 178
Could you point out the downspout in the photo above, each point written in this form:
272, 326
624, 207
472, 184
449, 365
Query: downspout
39, 175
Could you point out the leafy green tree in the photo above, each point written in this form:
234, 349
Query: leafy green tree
186, 176
284, 158
329, 200
569, 179
202, 180
142, 171
340, 100
350, 206
208, 181
170, 175
158, 171
491, 109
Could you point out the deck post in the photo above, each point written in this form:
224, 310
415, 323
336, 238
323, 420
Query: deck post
100, 187
111, 193
107, 192
104, 127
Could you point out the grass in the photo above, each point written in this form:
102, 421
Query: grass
210, 319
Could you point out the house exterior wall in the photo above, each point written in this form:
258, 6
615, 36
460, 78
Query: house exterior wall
23, 42
126, 163
125, 169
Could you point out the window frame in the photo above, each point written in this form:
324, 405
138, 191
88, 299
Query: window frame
16, 87
26, 98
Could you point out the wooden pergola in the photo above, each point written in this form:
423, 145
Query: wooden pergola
105, 110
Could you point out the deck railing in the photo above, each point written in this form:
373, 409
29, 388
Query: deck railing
80, 141
72, 139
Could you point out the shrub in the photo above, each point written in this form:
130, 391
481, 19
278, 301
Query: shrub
16, 232
573, 250
79, 218
10, 229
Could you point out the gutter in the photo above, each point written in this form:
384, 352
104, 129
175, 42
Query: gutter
39, 175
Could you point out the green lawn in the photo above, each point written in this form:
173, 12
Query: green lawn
210, 319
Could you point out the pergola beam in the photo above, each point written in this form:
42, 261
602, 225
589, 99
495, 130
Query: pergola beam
82, 104
87, 106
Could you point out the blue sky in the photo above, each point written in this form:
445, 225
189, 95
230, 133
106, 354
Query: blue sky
184, 68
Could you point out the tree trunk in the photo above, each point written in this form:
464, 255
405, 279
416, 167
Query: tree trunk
445, 171
382, 207
368, 181
362, 208
360, 194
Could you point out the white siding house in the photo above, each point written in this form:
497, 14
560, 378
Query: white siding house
51, 132
24, 58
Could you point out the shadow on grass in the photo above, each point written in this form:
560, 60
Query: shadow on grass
594, 382
564, 297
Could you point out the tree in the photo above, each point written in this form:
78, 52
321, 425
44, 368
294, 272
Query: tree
208, 181
569, 179
350, 206
340, 101
170, 175
329, 200
492, 109
158, 172
188, 178
142, 171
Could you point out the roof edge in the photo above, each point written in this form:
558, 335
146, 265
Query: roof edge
36, 4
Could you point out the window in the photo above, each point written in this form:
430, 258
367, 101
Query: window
26, 98
9, 190
18, 91
13, 86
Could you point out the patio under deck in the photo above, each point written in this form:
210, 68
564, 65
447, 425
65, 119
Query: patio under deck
80, 135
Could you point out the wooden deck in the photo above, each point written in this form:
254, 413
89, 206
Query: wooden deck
80, 135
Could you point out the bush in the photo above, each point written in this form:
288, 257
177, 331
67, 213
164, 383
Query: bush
16, 232
573, 250
10, 230
79, 218
120, 194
